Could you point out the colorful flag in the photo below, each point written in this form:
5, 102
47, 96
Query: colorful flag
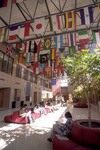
56, 22
83, 37
96, 36
3, 34
17, 1
3, 3
53, 53
43, 58
72, 50
20, 58
71, 39
13, 32
58, 41
70, 19
39, 25
86, 15
9, 50
27, 29
21, 30
36, 68
47, 43
37, 45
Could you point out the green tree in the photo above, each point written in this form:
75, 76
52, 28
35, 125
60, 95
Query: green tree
83, 71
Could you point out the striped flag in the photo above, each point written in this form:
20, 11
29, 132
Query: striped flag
58, 41
20, 58
3, 3
3, 34
83, 37
86, 15
53, 53
70, 18
27, 29
56, 22
71, 39
13, 31
36, 68
96, 36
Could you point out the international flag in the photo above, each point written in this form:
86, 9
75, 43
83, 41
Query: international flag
47, 43
9, 50
53, 53
96, 36
17, 1
3, 3
3, 34
27, 29
36, 68
13, 31
86, 15
56, 22
70, 18
71, 39
61, 52
21, 30
29, 57
39, 26
83, 37
72, 50
58, 41
37, 46
43, 58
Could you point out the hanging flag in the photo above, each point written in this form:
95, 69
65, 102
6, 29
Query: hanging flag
20, 58
43, 58
72, 50
71, 39
83, 37
70, 18
96, 36
61, 50
39, 26
13, 32
3, 3
58, 41
27, 29
37, 45
86, 15
3, 34
9, 50
17, 1
21, 30
53, 53
36, 68
47, 43
56, 22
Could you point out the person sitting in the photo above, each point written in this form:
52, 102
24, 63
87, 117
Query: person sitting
62, 101
37, 109
42, 108
62, 129
25, 112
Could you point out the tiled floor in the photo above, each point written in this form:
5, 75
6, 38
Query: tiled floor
34, 136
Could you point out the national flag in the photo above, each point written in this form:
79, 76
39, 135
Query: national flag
71, 39
72, 50
3, 34
17, 1
43, 58
47, 43
37, 46
20, 58
13, 31
3, 3
96, 36
36, 68
61, 50
39, 25
29, 57
53, 53
70, 18
9, 50
58, 41
21, 30
83, 37
56, 22
27, 29
86, 15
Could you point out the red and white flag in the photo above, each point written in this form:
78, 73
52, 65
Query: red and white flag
39, 26
56, 22
9, 50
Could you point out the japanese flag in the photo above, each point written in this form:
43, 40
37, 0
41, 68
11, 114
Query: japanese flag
39, 26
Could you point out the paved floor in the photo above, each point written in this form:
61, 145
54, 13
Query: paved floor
34, 136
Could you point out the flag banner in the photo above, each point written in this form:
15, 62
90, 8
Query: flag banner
72, 50
47, 43
20, 58
37, 46
53, 53
61, 52
96, 36
83, 37
86, 15
39, 26
21, 30
53, 82
9, 50
17, 1
13, 31
70, 18
29, 57
71, 39
36, 68
43, 58
56, 22
3, 3
3, 34
27, 29
58, 41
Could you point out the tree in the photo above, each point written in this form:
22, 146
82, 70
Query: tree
83, 71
